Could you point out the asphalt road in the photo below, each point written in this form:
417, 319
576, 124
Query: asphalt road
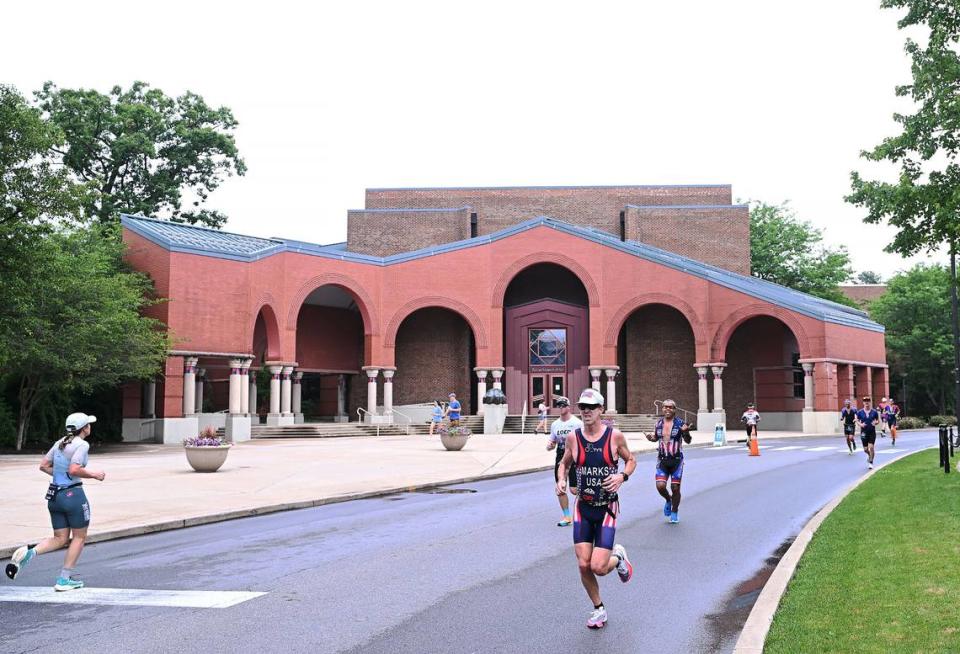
480, 571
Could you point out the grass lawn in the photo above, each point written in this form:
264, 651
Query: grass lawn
882, 574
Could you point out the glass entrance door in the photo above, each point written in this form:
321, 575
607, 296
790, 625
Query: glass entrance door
538, 392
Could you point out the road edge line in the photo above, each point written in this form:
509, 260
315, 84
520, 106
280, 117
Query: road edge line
753, 636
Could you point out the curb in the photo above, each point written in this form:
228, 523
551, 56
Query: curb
754, 634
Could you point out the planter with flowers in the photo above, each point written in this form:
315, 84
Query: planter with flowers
453, 438
207, 452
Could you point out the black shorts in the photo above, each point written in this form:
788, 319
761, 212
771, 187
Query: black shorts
571, 473
749, 429
868, 436
849, 430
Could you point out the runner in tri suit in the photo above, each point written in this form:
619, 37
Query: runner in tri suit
893, 413
670, 457
559, 430
848, 416
594, 450
882, 410
868, 419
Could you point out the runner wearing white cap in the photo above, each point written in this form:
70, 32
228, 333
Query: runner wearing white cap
67, 503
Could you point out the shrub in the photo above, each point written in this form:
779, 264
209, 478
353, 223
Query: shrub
936, 421
911, 423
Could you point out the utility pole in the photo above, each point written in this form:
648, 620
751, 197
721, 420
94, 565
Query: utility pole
956, 329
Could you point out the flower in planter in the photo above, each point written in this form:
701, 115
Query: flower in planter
207, 438
444, 430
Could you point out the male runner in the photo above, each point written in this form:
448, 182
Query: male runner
751, 420
561, 427
668, 434
595, 450
868, 419
453, 410
882, 412
848, 416
893, 413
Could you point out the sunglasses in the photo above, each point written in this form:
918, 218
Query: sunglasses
588, 407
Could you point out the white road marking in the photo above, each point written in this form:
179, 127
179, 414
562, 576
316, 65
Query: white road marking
724, 447
198, 599
823, 448
788, 447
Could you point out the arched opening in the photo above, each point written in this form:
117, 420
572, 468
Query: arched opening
546, 331
330, 354
656, 350
763, 366
434, 355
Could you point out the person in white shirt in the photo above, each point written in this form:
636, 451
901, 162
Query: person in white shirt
561, 427
750, 418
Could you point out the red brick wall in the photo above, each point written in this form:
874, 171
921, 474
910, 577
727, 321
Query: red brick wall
659, 360
715, 235
329, 338
433, 358
385, 232
149, 258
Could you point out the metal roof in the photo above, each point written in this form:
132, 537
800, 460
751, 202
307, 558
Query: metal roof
204, 241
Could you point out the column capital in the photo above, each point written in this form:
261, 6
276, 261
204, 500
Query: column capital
497, 372
481, 373
807, 368
372, 371
596, 371
297, 376
275, 369
201, 372
388, 374
611, 371
247, 363
287, 370
702, 371
190, 364
718, 370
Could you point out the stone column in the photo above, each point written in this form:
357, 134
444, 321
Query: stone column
342, 399
150, 399
702, 388
254, 415
236, 394
201, 373
296, 397
717, 369
807, 386
497, 374
481, 388
611, 389
189, 385
372, 373
275, 390
595, 378
388, 391
285, 391
245, 387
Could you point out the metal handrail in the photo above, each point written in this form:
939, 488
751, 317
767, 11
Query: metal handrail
409, 419
657, 408
149, 422
360, 417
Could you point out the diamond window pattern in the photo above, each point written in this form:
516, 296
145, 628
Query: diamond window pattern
548, 347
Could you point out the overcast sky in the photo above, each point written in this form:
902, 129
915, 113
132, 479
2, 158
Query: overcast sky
775, 98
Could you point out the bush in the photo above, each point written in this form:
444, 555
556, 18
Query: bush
936, 421
8, 426
911, 423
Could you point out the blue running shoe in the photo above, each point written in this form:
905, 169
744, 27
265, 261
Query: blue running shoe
674, 518
67, 584
20, 558
666, 508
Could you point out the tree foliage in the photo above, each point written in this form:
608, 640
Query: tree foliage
78, 325
790, 252
924, 203
919, 339
868, 277
140, 151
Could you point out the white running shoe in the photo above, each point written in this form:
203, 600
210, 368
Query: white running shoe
624, 567
598, 618
869, 466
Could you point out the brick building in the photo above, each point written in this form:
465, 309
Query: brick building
641, 291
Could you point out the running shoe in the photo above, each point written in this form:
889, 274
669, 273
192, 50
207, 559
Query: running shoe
666, 508
566, 522
869, 466
674, 518
624, 567
598, 618
67, 584
19, 560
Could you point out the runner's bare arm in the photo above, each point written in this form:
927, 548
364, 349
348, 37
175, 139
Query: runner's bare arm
613, 482
565, 464
46, 466
650, 437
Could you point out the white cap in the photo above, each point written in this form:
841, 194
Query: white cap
590, 396
78, 421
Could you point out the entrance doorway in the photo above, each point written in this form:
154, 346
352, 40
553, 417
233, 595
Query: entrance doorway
546, 388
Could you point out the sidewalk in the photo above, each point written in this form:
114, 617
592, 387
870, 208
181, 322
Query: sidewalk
152, 488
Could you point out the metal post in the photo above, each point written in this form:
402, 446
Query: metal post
944, 452
956, 329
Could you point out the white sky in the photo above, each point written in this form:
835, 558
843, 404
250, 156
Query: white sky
774, 98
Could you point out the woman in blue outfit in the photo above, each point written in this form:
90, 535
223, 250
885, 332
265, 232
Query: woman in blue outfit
436, 416
67, 503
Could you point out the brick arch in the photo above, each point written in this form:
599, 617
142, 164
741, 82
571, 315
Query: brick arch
521, 264
465, 312
371, 323
727, 327
628, 307
266, 304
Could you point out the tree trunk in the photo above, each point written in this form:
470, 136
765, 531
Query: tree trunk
29, 393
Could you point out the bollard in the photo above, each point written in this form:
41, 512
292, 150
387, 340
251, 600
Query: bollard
719, 435
944, 449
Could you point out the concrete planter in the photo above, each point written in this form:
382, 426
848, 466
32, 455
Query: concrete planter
454, 442
207, 458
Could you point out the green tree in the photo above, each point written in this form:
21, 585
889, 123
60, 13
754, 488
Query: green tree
140, 151
918, 338
790, 252
868, 277
79, 326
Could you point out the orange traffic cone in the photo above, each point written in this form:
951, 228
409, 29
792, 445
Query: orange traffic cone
754, 446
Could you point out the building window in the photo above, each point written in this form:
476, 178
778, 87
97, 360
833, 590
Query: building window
797, 377
473, 225
548, 347
623, 225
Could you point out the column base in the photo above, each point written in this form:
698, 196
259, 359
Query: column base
341, 418
820, 422
278, 420
254, 420
298, 418
707, 421
237, 428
